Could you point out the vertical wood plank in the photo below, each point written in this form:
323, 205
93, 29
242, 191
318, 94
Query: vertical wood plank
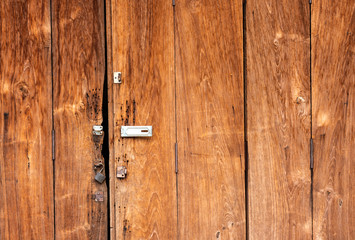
278, 119
79, 70
26, 189
110, 114
333, 116
143, 50
210, 119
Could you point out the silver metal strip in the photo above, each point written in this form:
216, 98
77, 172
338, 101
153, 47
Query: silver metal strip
136, 131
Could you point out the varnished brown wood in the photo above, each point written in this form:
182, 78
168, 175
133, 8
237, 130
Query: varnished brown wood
333, 94
210, 119
79, 70
278, 119
143, 50
26, 189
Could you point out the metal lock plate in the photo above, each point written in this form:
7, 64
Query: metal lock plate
99, 196
99, 177
97, 130
121, 172
136, 131
117, 77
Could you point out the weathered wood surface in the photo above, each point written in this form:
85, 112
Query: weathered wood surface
278, 119
26, 193
143, 50
333, 116
78, 80
210, 119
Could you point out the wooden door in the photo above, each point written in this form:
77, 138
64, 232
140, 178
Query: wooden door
333, 116
26, 177
239, 94
204, 82
78, 83
210, 119
143, 205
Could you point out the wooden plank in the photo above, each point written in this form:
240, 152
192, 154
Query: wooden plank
278, 119
110, 115
143, 50
79, 71
333, 116
210, 119
26, 189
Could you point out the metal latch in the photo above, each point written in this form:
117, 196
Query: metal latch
136, 131
97, 130
121, 172
117, 77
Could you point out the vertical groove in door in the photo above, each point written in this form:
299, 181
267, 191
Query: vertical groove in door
105, 123
52, 105
176, 139
246, 164
311, 110
110, 114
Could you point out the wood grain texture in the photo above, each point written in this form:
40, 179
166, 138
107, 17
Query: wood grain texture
333, 118
26, 202
278, 119
143, 50
78, 79
210, 119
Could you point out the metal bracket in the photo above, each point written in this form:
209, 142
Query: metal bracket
53, 144
312, 153
97, 130
136, 131
176, 158
99, 196
117, 77
121, 172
